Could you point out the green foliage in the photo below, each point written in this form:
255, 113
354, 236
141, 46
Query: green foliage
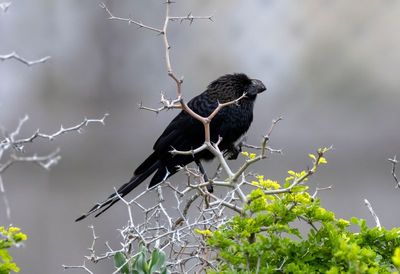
8, 238
266, 237
396, 258
139, 264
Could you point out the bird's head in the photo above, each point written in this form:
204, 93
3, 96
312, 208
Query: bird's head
255, 87
232, 86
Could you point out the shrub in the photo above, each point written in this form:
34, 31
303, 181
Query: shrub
9, 238
266, 237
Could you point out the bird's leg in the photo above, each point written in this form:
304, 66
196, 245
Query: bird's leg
198, 163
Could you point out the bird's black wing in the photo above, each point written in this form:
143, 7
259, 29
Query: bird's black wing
184, 129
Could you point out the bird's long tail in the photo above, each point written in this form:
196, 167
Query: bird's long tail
124, 189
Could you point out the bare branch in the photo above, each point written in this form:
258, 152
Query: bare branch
5, 5
167, 47
371, 210
268, 135
189, 152
14, 55
78, 128
270, 149
394, 162
128, 20
46, 161
190, 18
83, 266
226, 204
15, 149
166, 105
91, 248
5, 200
18, 129
318, 189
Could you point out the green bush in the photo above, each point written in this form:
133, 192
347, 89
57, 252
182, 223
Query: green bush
266, 238
8, 238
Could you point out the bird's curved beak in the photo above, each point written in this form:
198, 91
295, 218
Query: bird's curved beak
260, 87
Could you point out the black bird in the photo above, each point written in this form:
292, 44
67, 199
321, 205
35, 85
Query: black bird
186, 133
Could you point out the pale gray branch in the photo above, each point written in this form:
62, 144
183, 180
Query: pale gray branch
190, 18
83, 267
371, 210
14, 55
4, 6
394, 162
128, 20
13, 147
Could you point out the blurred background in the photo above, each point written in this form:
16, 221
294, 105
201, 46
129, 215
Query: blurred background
331, 69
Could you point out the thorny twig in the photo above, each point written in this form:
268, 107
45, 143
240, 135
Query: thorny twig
14, 55
128, 20
166, 105
190, 18
10, 140
13, 146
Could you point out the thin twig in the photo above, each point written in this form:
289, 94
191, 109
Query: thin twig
371, 210
190, 18
61, 131
318, 189
14, 55
46, 161
13, 147
128, 20
4, 6
394, 162
83, 266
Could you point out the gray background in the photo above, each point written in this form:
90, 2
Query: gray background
331, 69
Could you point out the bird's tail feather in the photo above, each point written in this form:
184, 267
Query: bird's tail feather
122, 191
147, 164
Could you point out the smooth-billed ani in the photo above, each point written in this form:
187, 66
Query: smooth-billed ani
186, 133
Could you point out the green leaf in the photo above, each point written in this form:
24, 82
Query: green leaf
140, 265
396, 257
322, 160
157, 260
120, 262
9, 237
